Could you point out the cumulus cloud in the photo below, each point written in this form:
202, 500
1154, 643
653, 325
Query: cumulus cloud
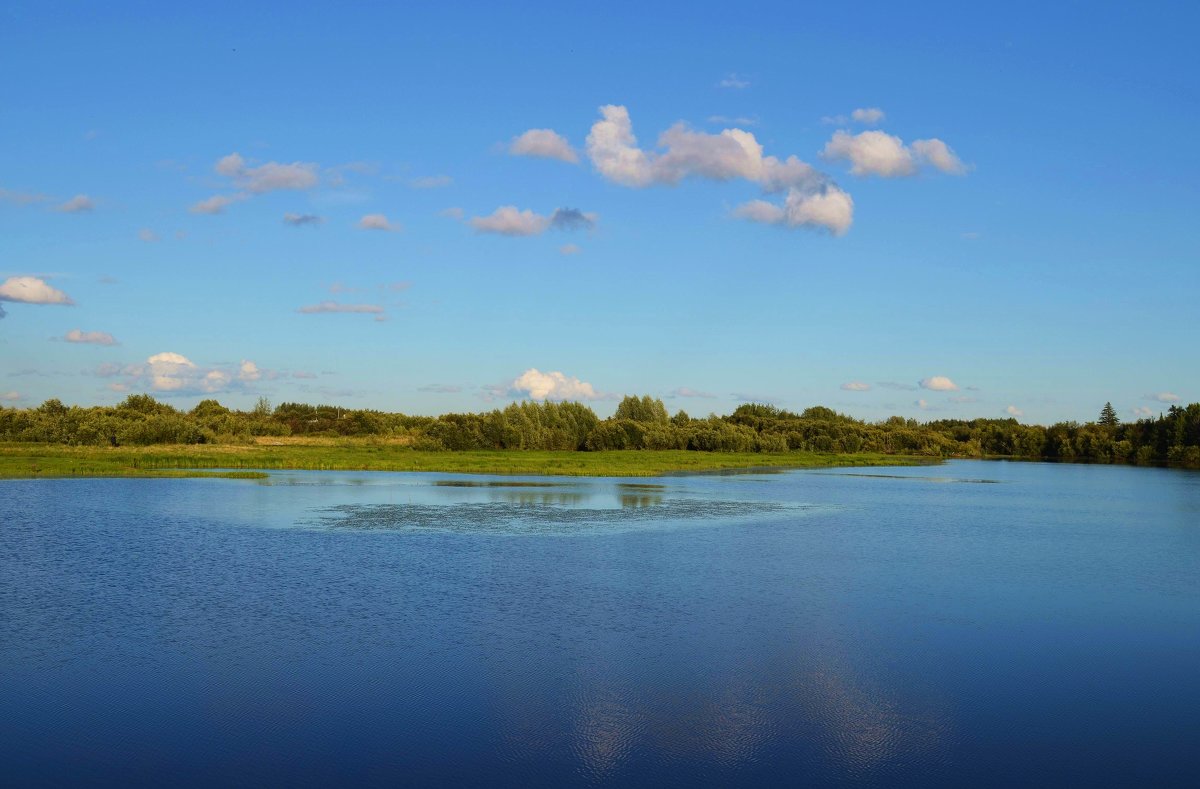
939, 383
938, 155
90, 337
828, 209
867, 115
216, 204
856, 386
572, 219
32, 290
248, 371
335, 306
378, 222
1163, 397
733, 153
268, 177
299, 220
77, 205
537, 385
431, 182
732, 80
169, 372
544, 144
885, 155
1013, 411
508, 220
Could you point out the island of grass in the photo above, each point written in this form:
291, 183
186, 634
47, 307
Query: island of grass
23, 460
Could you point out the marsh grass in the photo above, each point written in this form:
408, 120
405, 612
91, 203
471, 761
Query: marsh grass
47, 460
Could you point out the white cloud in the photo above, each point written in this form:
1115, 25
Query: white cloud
733, 81
733, 153
508, 220
431, 182
169, 372
856, 386
544, 144
268, 177
216, 204
1163, 397
440, 388
938, 155
299, 220
1142, 412
90, 337
32, 290
829, 209
148, 235
871, 153
454, 212
939, 383
10, 397
77, 205
868, 115
248, 371
896, 386
885, 155
569, 249
726, 120
378, 222
551, 386
1013, 411
924, 405
335, 306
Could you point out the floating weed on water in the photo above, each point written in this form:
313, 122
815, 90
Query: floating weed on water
537, 518
920, 479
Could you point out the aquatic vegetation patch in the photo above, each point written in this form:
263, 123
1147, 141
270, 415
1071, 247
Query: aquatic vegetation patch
538, 518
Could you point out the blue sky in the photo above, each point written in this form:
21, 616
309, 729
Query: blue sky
1005, 225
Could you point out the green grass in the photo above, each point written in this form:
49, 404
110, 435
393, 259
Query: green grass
45, 460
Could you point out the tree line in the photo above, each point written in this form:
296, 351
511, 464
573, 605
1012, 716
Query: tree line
639, 423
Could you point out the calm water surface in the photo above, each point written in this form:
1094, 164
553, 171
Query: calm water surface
968, 624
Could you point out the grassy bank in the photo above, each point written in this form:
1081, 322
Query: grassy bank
47, 460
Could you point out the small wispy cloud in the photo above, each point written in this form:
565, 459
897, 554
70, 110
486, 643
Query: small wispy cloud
440, 388
216, 204
336, 306
740, 120
1013, 411
856, 386
687, 391
379, 222
431, 182
899, 387
1162, 397
300, 220
508, 220
21, 198
148, 235
734, 81
569, 249
90, 337
77, 205
1142, 412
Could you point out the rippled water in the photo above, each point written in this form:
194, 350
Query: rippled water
1031, 624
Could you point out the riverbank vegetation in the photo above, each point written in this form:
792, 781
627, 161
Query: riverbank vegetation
295, 435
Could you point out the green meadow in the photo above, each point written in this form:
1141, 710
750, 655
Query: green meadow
23, 460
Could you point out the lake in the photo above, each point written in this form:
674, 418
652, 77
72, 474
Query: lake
976, 623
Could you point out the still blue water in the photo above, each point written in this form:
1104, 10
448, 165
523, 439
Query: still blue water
968, 624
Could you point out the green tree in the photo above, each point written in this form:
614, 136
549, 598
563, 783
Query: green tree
1108, 416
641, 409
